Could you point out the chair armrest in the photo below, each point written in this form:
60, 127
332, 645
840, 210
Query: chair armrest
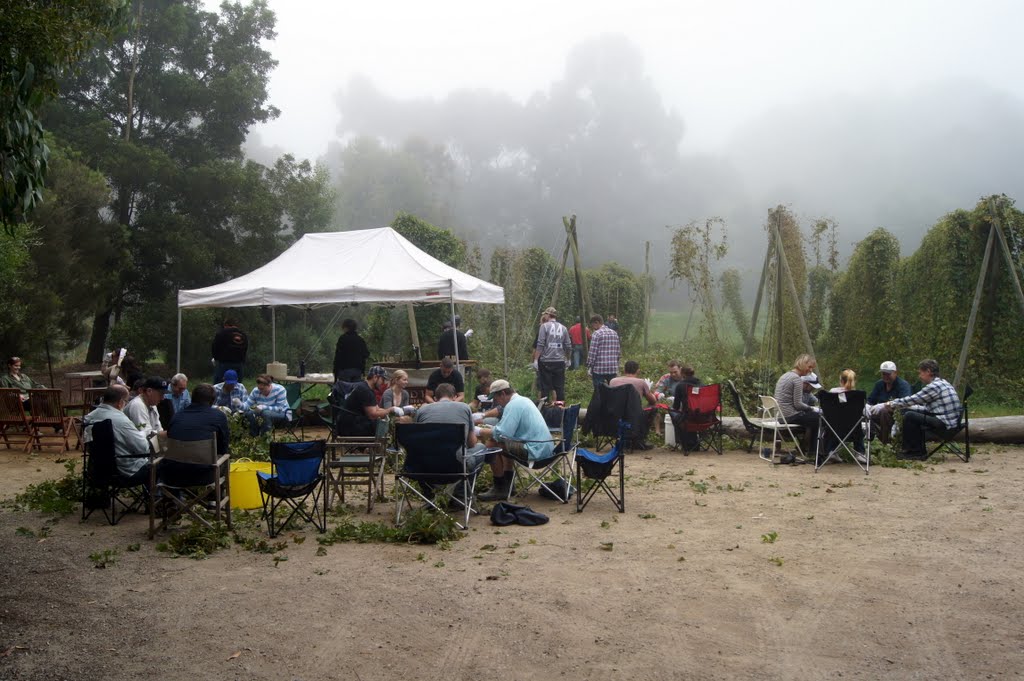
222, 460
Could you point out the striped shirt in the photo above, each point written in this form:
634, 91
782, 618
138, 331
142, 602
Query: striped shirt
224, 398
604, 352
277, 400
938, 398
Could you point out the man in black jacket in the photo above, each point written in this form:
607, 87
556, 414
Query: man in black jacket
448, 342
350, 354
230, 347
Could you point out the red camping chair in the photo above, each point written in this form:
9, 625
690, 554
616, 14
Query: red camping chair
699, 427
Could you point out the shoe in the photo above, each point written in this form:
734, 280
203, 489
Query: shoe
833, 457
862, 459
499, 492
912, 455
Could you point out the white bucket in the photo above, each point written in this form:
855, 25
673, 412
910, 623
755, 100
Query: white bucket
277, 370
670, 432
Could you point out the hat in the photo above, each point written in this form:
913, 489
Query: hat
155, 382
377, 371
498, 386
230, 376
551, 312
887, 367
812, 378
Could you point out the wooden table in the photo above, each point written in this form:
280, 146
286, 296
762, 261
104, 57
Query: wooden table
77, 383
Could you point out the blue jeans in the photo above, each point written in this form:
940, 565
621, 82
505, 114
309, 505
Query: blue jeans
598, 379
271, 418
577, 356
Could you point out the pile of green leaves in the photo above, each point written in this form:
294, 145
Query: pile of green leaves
57, 497
421, 526
197, 542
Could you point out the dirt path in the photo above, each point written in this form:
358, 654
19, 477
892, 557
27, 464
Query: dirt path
901, 574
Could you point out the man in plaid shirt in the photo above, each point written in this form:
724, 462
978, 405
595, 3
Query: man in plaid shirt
605, 353
935, 407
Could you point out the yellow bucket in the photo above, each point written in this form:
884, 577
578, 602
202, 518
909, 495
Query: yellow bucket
245, 491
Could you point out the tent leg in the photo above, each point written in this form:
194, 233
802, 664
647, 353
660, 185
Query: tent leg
504, 337
177, 364
455, 337
273, 334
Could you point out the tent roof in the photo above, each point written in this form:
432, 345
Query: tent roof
364, 266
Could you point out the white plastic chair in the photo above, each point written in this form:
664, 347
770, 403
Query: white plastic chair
772, 420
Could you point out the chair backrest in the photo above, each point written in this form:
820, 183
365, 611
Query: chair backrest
12, 411
570, 420
770, 408
101, 456
431, 448
297, 463
293, 391
703, 402
843, 411
203, 452
737, 403
47, 408
613, 404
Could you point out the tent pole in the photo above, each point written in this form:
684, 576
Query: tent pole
177, 364
504, 337
273, 334
414, 332
455, 334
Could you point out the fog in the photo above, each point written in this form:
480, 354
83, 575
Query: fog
497, 118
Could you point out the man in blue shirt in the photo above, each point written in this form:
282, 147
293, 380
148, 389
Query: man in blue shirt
177, 392
200, 420
889, 387
522, 433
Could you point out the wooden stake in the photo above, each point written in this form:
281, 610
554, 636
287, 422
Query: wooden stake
747, 346
975, 304
1007, 254
561, 273
570, 228
647, 292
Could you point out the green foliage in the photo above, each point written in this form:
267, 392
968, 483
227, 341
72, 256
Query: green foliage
101, 559
770, 537
613, 289
732, 285
53, 497
696, 248
197, 542
421, 526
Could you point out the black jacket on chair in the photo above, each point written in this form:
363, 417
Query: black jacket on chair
608, 405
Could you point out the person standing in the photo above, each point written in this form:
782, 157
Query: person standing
350, 354
576, 336
230, 346
551, 356
450, 341
605, 352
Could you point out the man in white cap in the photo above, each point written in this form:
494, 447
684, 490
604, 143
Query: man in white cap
889, 387
522, 433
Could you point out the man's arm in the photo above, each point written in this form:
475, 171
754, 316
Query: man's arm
902, 388
876, 394
922, 397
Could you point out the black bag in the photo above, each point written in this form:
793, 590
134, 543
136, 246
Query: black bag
560, 486
505, 513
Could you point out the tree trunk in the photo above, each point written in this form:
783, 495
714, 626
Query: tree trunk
98, 339
998, 429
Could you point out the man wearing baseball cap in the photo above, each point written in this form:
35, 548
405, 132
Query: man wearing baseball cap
142, 409
552, 355
522, 433
230, 394
359, 413
889, 387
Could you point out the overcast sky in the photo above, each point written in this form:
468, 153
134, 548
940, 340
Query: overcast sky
718, 63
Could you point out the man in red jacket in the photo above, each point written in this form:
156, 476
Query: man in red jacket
576, 334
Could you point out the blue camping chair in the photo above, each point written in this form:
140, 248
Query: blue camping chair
598, 467
538, 473
297, 476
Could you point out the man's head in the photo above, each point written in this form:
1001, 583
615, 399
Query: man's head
596, 322
349, 326
264, 383
810, 380
14, 365
445, 391
674, 370
483, 376
115, 396
927, 370
203, 395
153, 390
230, 379
551, 313
888, 371
447, 366
501, 392
804, 365
230, 322
631, 368
458, 321
686, 370
178, 383
376, 376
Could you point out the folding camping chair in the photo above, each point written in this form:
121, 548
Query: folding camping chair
12, 415
946, 440
841, 421
48, 412
702, 418
294, 396
772, 420
103, 487
194, 478
296, 476
559, 464
598, 467
610, 405
357, 461
432, 459
752, 426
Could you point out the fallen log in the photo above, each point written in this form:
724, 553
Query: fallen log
996, 429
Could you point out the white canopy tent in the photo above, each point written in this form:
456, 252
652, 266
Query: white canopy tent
330, 268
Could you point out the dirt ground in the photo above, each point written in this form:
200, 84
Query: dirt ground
900, 574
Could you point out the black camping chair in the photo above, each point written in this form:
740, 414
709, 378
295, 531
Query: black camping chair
599, 467
103, 488
434, 457
842, 423
189, 476
752, 426
296, 476
946, 439
610, 405
552, 475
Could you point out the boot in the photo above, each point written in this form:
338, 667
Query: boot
499, 491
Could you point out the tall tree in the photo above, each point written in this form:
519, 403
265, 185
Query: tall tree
162, 111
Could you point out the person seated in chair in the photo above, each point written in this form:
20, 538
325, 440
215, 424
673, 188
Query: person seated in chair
142, 409
446, 410
630, 377
230, 395
397, 396
847, 382
178, 393
15, 379
790, 391
522, 433
446, 373
268, 400
359, 413
200, 420
890, 386
689, 442
934, 408
131, 447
